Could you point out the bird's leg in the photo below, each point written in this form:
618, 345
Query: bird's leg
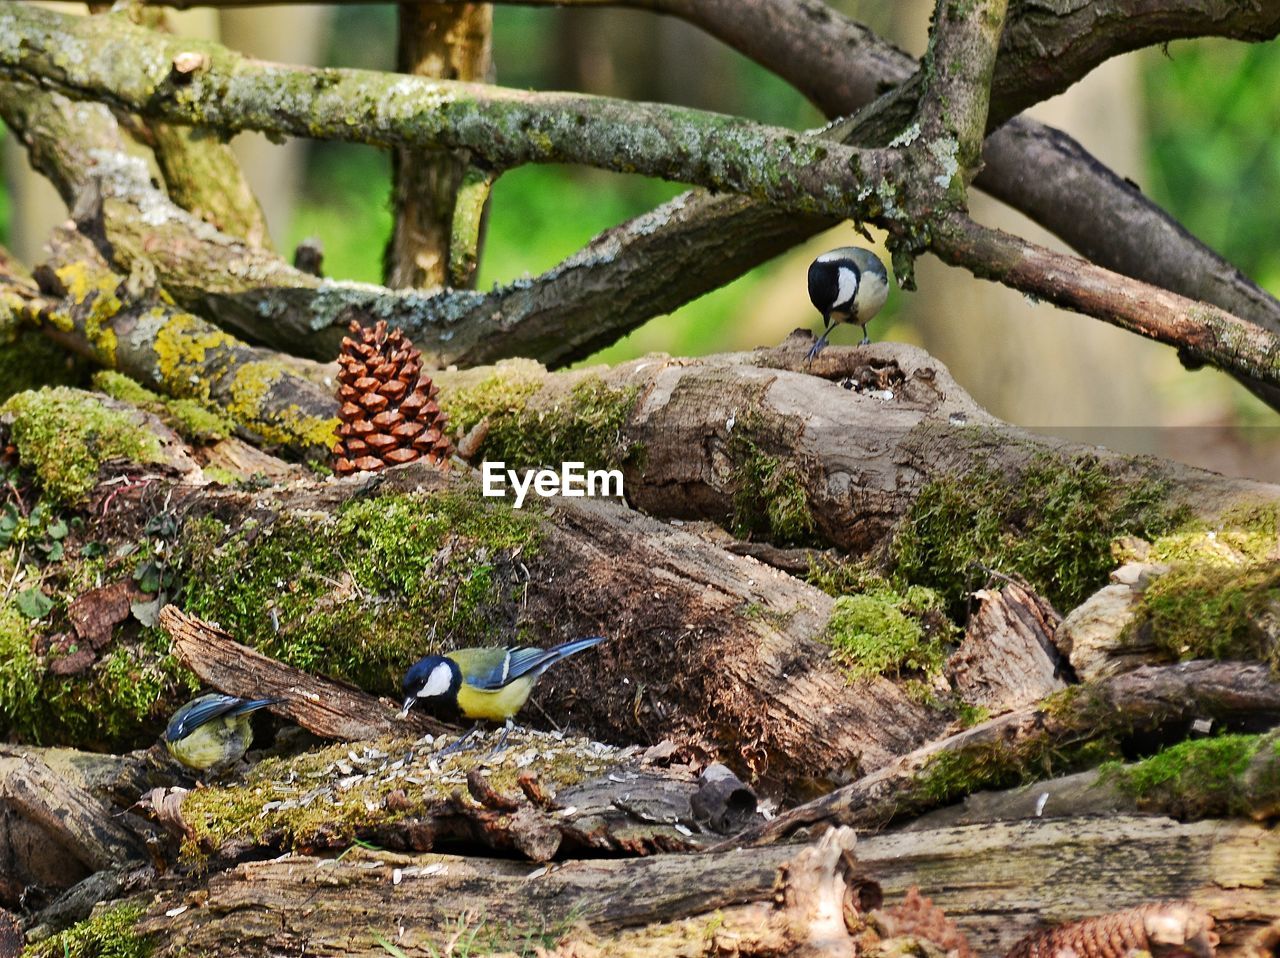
457, 746
502, 742
821, 344
866, 340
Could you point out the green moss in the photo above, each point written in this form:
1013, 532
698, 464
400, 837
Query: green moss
65, 434
996, 765
109, 934
362, 594
21, 704
29, 361
1202, 778
329, 796
585, 427
119, 702
883, 632
769, 495
843, 576
1053, 524
191, 420
1199, 610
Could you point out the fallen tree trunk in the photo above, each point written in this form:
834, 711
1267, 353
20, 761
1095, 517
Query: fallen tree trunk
844, 446
685, 904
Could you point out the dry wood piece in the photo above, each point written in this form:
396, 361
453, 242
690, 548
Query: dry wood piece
647, 906
327, 708
1164, 929
1007, 659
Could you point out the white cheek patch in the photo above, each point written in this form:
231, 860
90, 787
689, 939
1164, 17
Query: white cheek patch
848, 287
437, 682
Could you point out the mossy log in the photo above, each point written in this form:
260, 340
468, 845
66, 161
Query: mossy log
82, 304
703, 904
1080, 725
836, 452
715, 651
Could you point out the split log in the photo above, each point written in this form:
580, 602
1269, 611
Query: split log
1147, 702
1077, 868
1007, 659
323, 706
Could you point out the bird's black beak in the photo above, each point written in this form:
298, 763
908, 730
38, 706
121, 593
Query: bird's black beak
408, 704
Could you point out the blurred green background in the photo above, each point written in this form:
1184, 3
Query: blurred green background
1208, 119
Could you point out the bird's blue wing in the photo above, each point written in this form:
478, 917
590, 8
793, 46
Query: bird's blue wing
206, 708
495, 668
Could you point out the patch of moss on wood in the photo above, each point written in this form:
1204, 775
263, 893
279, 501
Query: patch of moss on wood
769, 495
111, 933
1205, 778
585, 426
361, 594
330, 796
1051, 523
1202, 611
64, 435
188, 418
885, 632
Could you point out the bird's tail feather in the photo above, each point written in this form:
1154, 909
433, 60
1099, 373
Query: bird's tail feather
254, 705
563, 651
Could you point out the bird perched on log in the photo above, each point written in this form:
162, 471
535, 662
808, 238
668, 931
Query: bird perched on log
484, 683
846, 285
212, 731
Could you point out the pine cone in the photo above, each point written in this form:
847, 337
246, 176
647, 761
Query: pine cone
388, 410
1164, 930
919, 917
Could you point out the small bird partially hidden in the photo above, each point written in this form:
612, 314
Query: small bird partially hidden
212, 731
846, 285
485, 683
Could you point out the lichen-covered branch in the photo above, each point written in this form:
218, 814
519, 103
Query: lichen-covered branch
959, 63
86, 307
446, 42
501, 128
203, 176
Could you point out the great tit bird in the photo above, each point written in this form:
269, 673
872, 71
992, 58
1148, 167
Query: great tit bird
490, 683
212, 731
847, 285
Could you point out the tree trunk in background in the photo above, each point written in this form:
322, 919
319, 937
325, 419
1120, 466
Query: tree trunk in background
289, 35
449, 42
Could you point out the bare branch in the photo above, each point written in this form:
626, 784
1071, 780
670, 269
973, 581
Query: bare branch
502, 128
1201, 333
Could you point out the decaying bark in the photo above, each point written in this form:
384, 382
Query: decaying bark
342, 907
1007, 658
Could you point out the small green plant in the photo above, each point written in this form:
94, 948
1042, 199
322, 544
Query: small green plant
39, 530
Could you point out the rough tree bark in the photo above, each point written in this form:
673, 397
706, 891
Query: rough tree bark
438, 196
